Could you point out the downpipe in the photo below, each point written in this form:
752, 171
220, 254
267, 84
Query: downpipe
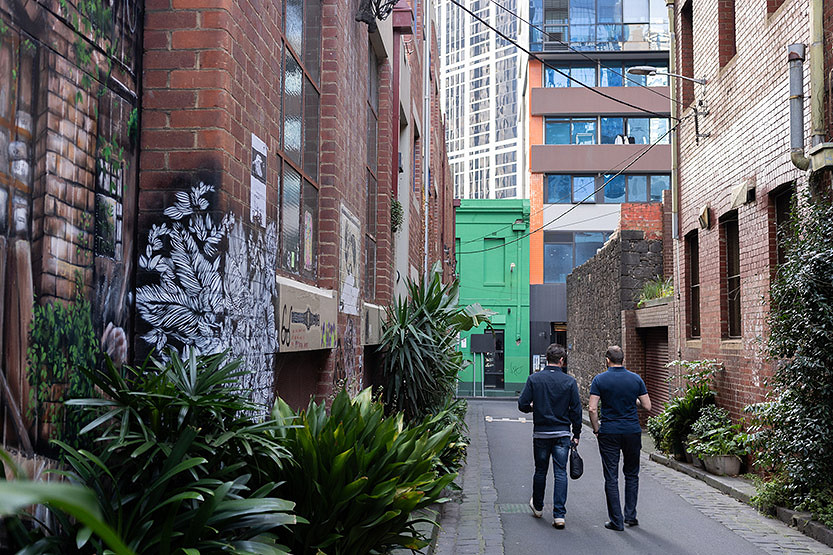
795, 57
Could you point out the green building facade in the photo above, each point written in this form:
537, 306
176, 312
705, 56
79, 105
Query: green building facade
492, 250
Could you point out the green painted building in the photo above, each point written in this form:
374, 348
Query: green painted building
492, 249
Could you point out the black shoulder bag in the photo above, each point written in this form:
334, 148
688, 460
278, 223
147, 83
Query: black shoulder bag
576, 463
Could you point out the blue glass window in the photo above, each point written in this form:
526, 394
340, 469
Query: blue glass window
610, 129
557, 132
558, 262
659, 131
584, 132
583, 11
659, 183
636, 11
558, 189
615, 189
611, 76
584, 187
610, 36
640, 130
553, 78
583, 34
610, 11
637, 188
587, 243
583, 74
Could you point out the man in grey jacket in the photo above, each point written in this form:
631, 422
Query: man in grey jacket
551, 395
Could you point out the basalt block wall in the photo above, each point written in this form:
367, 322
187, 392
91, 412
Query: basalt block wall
597, 293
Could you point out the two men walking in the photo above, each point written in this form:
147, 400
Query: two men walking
552, 396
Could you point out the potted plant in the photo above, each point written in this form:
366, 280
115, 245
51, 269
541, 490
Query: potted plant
719, 443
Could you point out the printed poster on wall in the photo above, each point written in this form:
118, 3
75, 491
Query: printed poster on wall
350, 253
257, 200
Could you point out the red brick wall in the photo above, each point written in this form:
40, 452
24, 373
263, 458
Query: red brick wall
642, 217
748, 122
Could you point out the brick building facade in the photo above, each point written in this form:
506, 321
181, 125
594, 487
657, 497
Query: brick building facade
736, 179
211, 174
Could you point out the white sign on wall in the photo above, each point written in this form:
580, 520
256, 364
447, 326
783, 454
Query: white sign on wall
257, 199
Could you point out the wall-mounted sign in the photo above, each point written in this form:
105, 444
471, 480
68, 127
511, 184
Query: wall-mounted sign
308, 317
257, 200
351, 249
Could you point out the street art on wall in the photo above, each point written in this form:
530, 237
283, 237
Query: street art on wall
215, 287
257, 194
348, 301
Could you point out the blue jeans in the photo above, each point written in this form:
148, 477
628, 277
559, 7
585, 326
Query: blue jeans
559, 449
609, 447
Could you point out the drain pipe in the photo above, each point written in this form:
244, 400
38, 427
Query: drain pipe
795, 55
816, 74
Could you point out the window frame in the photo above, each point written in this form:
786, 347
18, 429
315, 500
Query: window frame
730, 277
372, 175
310, 77
692, 284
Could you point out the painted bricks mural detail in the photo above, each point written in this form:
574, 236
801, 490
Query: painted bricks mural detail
215, 287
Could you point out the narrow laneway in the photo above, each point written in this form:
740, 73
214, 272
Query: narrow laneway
678, 514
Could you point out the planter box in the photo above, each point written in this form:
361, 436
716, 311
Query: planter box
722, 465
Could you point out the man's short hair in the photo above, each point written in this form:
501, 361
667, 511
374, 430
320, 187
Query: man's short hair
556, 352
615, 354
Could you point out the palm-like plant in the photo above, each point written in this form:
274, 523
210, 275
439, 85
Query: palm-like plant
421, 361
181, 464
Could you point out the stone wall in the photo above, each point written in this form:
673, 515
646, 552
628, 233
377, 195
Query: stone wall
597, 293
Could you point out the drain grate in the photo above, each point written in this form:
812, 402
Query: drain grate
512, 508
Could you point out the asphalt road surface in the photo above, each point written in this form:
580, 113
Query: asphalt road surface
677, 514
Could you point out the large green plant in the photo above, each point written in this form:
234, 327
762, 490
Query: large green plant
357, 476
794, 431
181, 463
420, 358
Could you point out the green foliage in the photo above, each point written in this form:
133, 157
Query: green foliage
419, 346
724, 440
793, 431
61, 343
670, 429
133, 126
180, 463
769, 493
656, 288
356, 475
397, 215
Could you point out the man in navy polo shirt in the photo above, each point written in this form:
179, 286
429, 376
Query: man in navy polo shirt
620, 392
552, 397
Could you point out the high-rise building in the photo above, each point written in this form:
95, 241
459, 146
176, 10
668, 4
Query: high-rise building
590, 119
482, 81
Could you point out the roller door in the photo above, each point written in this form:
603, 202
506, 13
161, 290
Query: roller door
655, 341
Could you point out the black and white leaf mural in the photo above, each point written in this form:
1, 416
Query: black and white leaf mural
215, 288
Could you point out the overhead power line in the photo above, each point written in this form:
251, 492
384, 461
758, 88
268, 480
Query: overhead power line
592, 194
547, 64
582, 53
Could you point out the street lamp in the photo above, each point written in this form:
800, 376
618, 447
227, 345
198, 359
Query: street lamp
651, 70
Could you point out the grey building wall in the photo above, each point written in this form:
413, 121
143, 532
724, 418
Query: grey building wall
597, 293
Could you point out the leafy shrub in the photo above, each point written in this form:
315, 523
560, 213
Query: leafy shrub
794, 430
181, 463
356, 475
419, 346
724, 440
711, 417
769, 493
678, 416
656, 288
656, 429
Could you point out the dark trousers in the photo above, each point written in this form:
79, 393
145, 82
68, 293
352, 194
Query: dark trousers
609, 447
559, 449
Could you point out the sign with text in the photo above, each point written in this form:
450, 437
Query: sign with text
308, 317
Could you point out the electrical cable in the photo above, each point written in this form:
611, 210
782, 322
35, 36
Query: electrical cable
582, 53
573, 207
625, 161
547, 64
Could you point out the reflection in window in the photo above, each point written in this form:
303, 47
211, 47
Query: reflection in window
614, 191
640, 130
584, 188
611, 128
659, 183
584, 132
637, 188
558, 189
587, 243
558, 262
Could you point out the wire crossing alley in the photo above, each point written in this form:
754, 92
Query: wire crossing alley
677, 513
